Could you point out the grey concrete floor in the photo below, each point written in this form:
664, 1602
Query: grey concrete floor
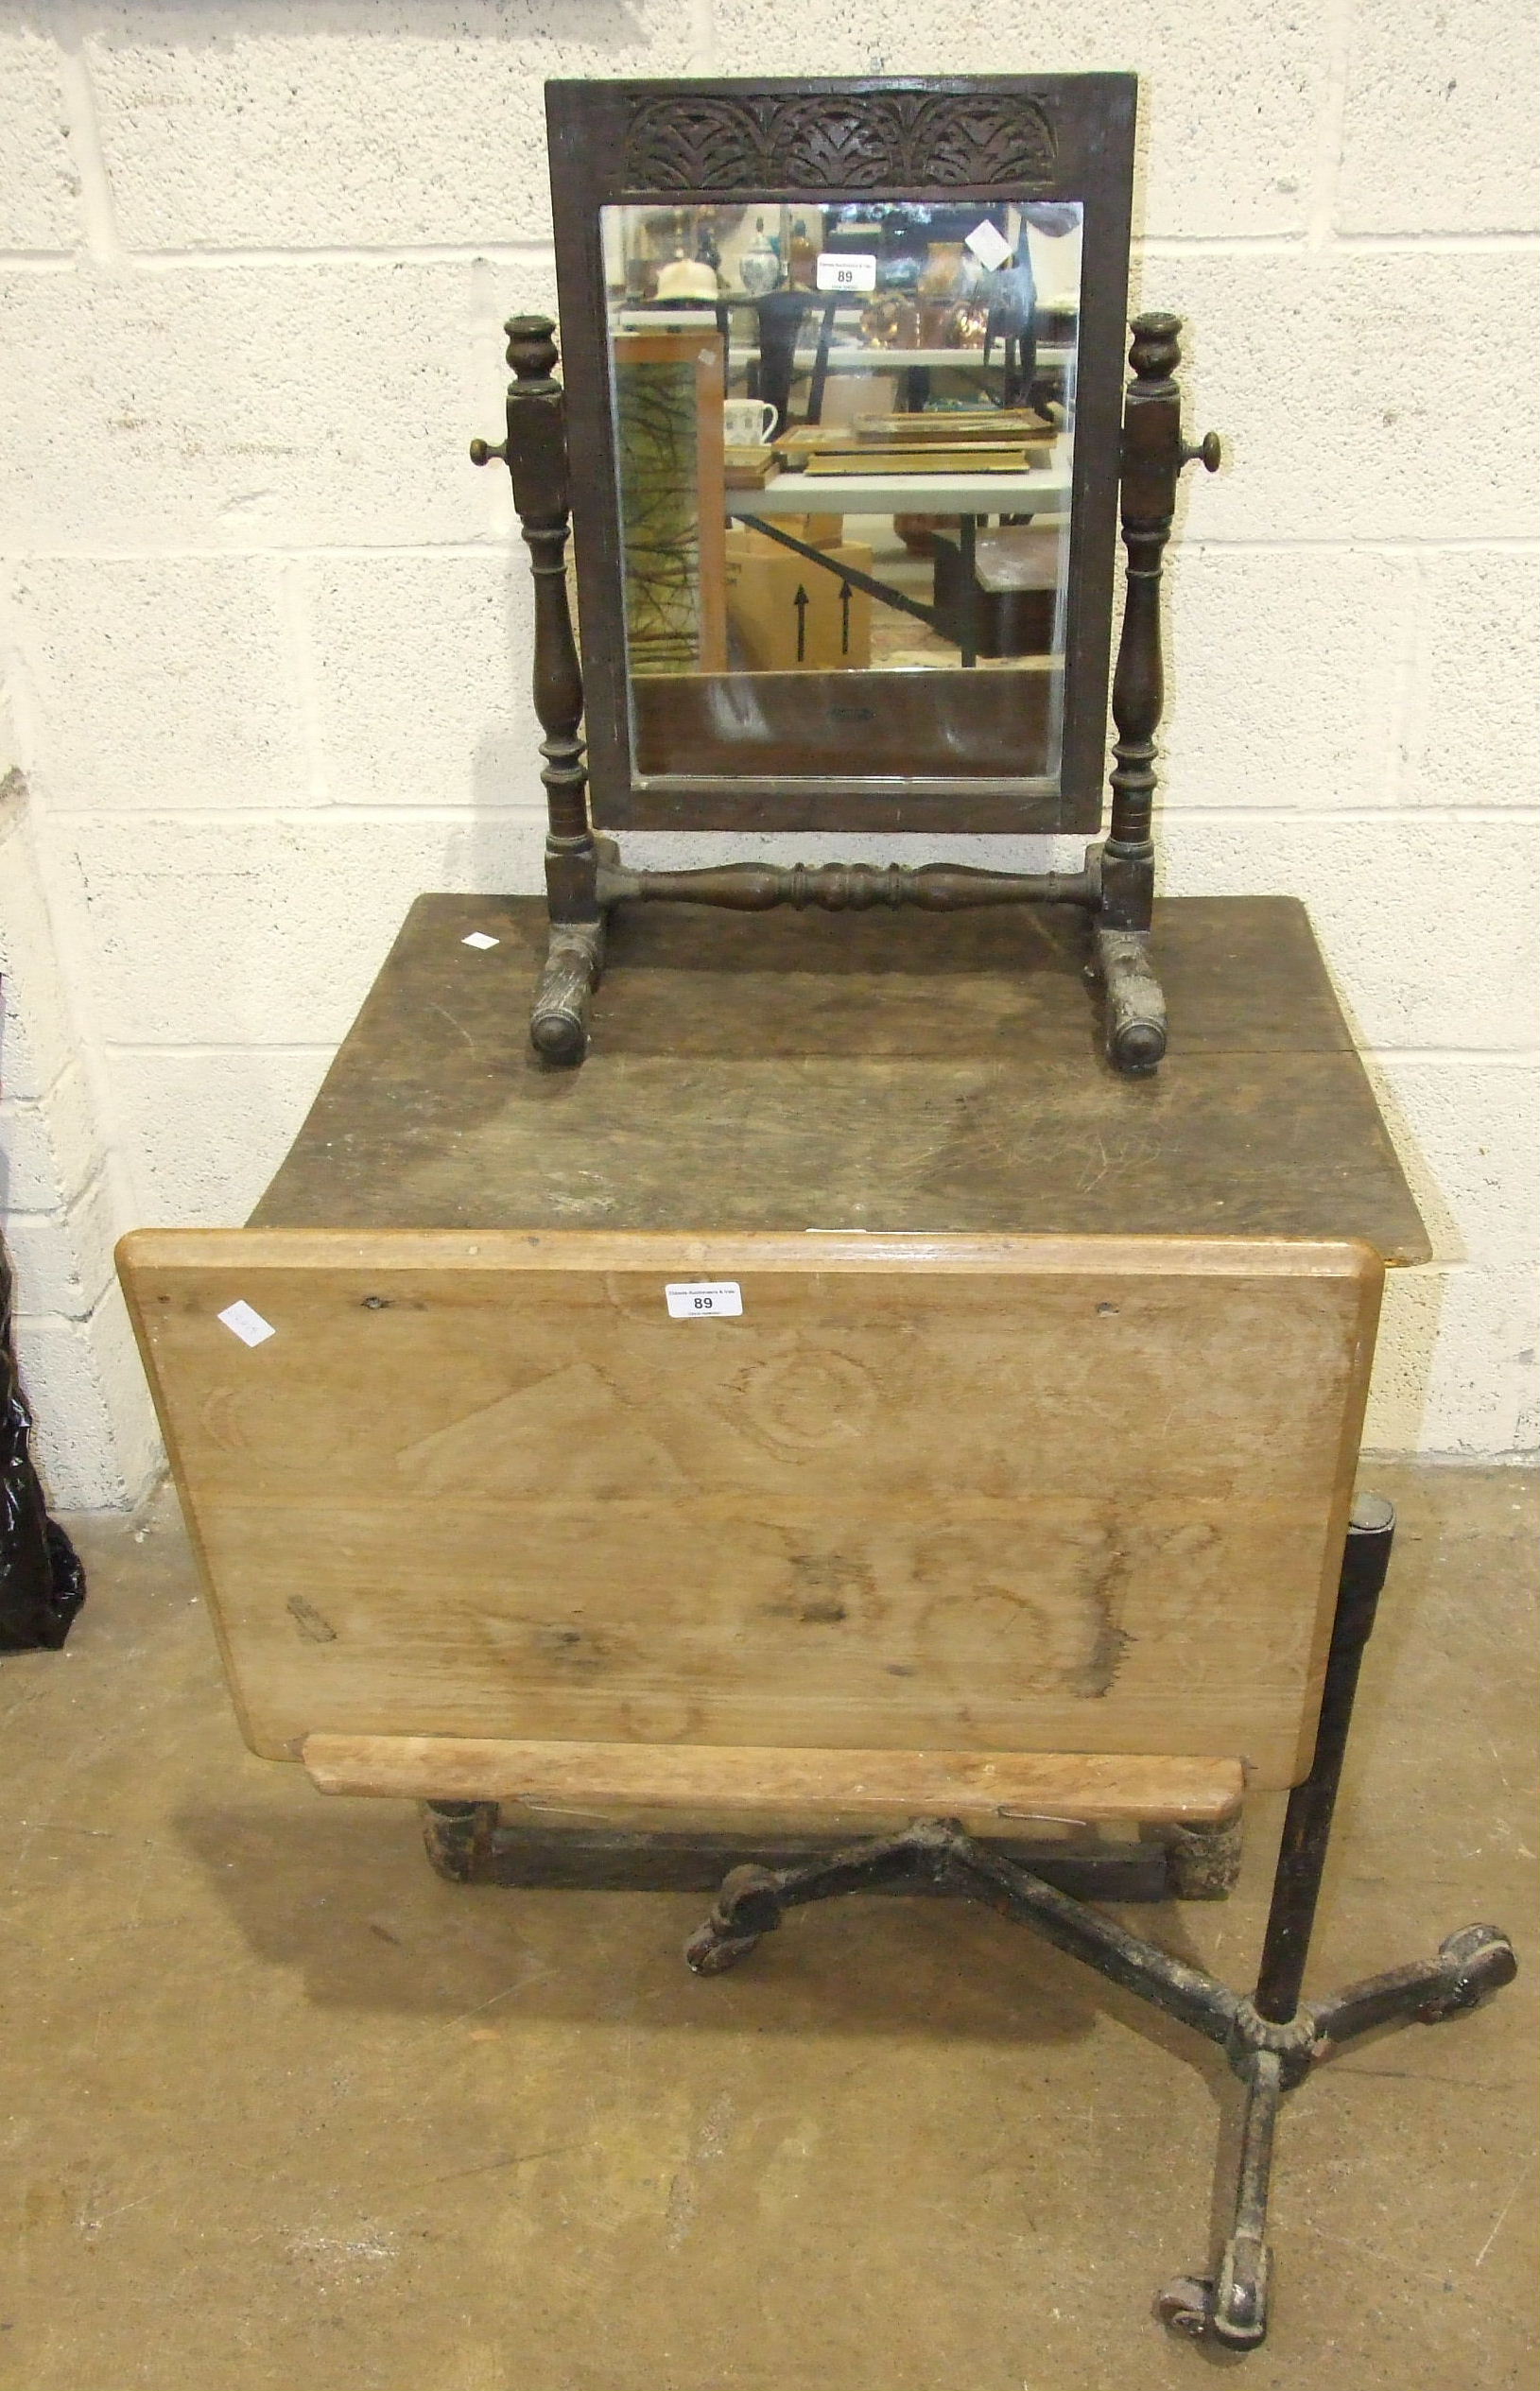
282, 2106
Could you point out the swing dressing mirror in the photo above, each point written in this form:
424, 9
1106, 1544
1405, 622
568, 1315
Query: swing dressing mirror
843, 437
852, 361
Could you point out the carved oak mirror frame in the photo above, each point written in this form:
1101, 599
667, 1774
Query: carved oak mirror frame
961, 140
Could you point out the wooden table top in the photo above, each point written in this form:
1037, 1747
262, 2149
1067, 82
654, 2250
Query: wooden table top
880, 1071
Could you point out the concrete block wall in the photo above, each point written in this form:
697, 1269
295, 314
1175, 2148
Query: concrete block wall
266, 637
96, 1438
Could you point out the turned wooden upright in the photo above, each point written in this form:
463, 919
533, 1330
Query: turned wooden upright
535, 453
1153, 456
583, 875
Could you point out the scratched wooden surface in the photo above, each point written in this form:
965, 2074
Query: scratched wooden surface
894, 1071
927, 1493
723, 1782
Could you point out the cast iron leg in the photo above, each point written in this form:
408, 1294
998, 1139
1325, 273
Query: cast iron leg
1241, 2305
1274, 2028
1182, 1991
1471, 1964
1235, 2311
751, 1900
1302, 1854
1272, 2039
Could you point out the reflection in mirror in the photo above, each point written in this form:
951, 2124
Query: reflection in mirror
844, 439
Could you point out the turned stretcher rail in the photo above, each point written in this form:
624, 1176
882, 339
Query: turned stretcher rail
936, 887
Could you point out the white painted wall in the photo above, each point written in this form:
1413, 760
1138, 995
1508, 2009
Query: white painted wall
259, 610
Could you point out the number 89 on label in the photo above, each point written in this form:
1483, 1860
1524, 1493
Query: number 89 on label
704, 1299
846, 273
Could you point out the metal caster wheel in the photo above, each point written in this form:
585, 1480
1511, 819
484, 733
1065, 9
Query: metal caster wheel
1480, 1961
708, 1954
1187, 2305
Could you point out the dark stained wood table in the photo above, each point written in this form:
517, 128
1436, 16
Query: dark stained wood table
872, 1070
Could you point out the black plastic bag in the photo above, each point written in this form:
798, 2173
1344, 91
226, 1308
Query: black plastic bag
41, 1582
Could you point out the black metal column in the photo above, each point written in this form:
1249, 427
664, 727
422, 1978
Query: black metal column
1302, 1856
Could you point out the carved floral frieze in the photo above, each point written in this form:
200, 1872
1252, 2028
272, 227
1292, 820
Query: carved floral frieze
837, 141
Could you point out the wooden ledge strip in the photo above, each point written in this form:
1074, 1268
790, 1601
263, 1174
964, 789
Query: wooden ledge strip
1072, 1787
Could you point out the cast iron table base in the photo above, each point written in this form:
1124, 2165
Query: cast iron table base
1271, 2038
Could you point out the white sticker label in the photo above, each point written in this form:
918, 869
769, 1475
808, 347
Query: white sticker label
477, 938
247, 1324
989, 245
845, 273
704, 1299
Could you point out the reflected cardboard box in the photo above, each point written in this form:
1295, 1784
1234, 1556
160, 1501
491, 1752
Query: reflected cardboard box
784, 612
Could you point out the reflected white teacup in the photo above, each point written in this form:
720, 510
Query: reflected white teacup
747, 423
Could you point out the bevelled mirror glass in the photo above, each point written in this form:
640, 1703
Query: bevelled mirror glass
844, 372
843, 441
